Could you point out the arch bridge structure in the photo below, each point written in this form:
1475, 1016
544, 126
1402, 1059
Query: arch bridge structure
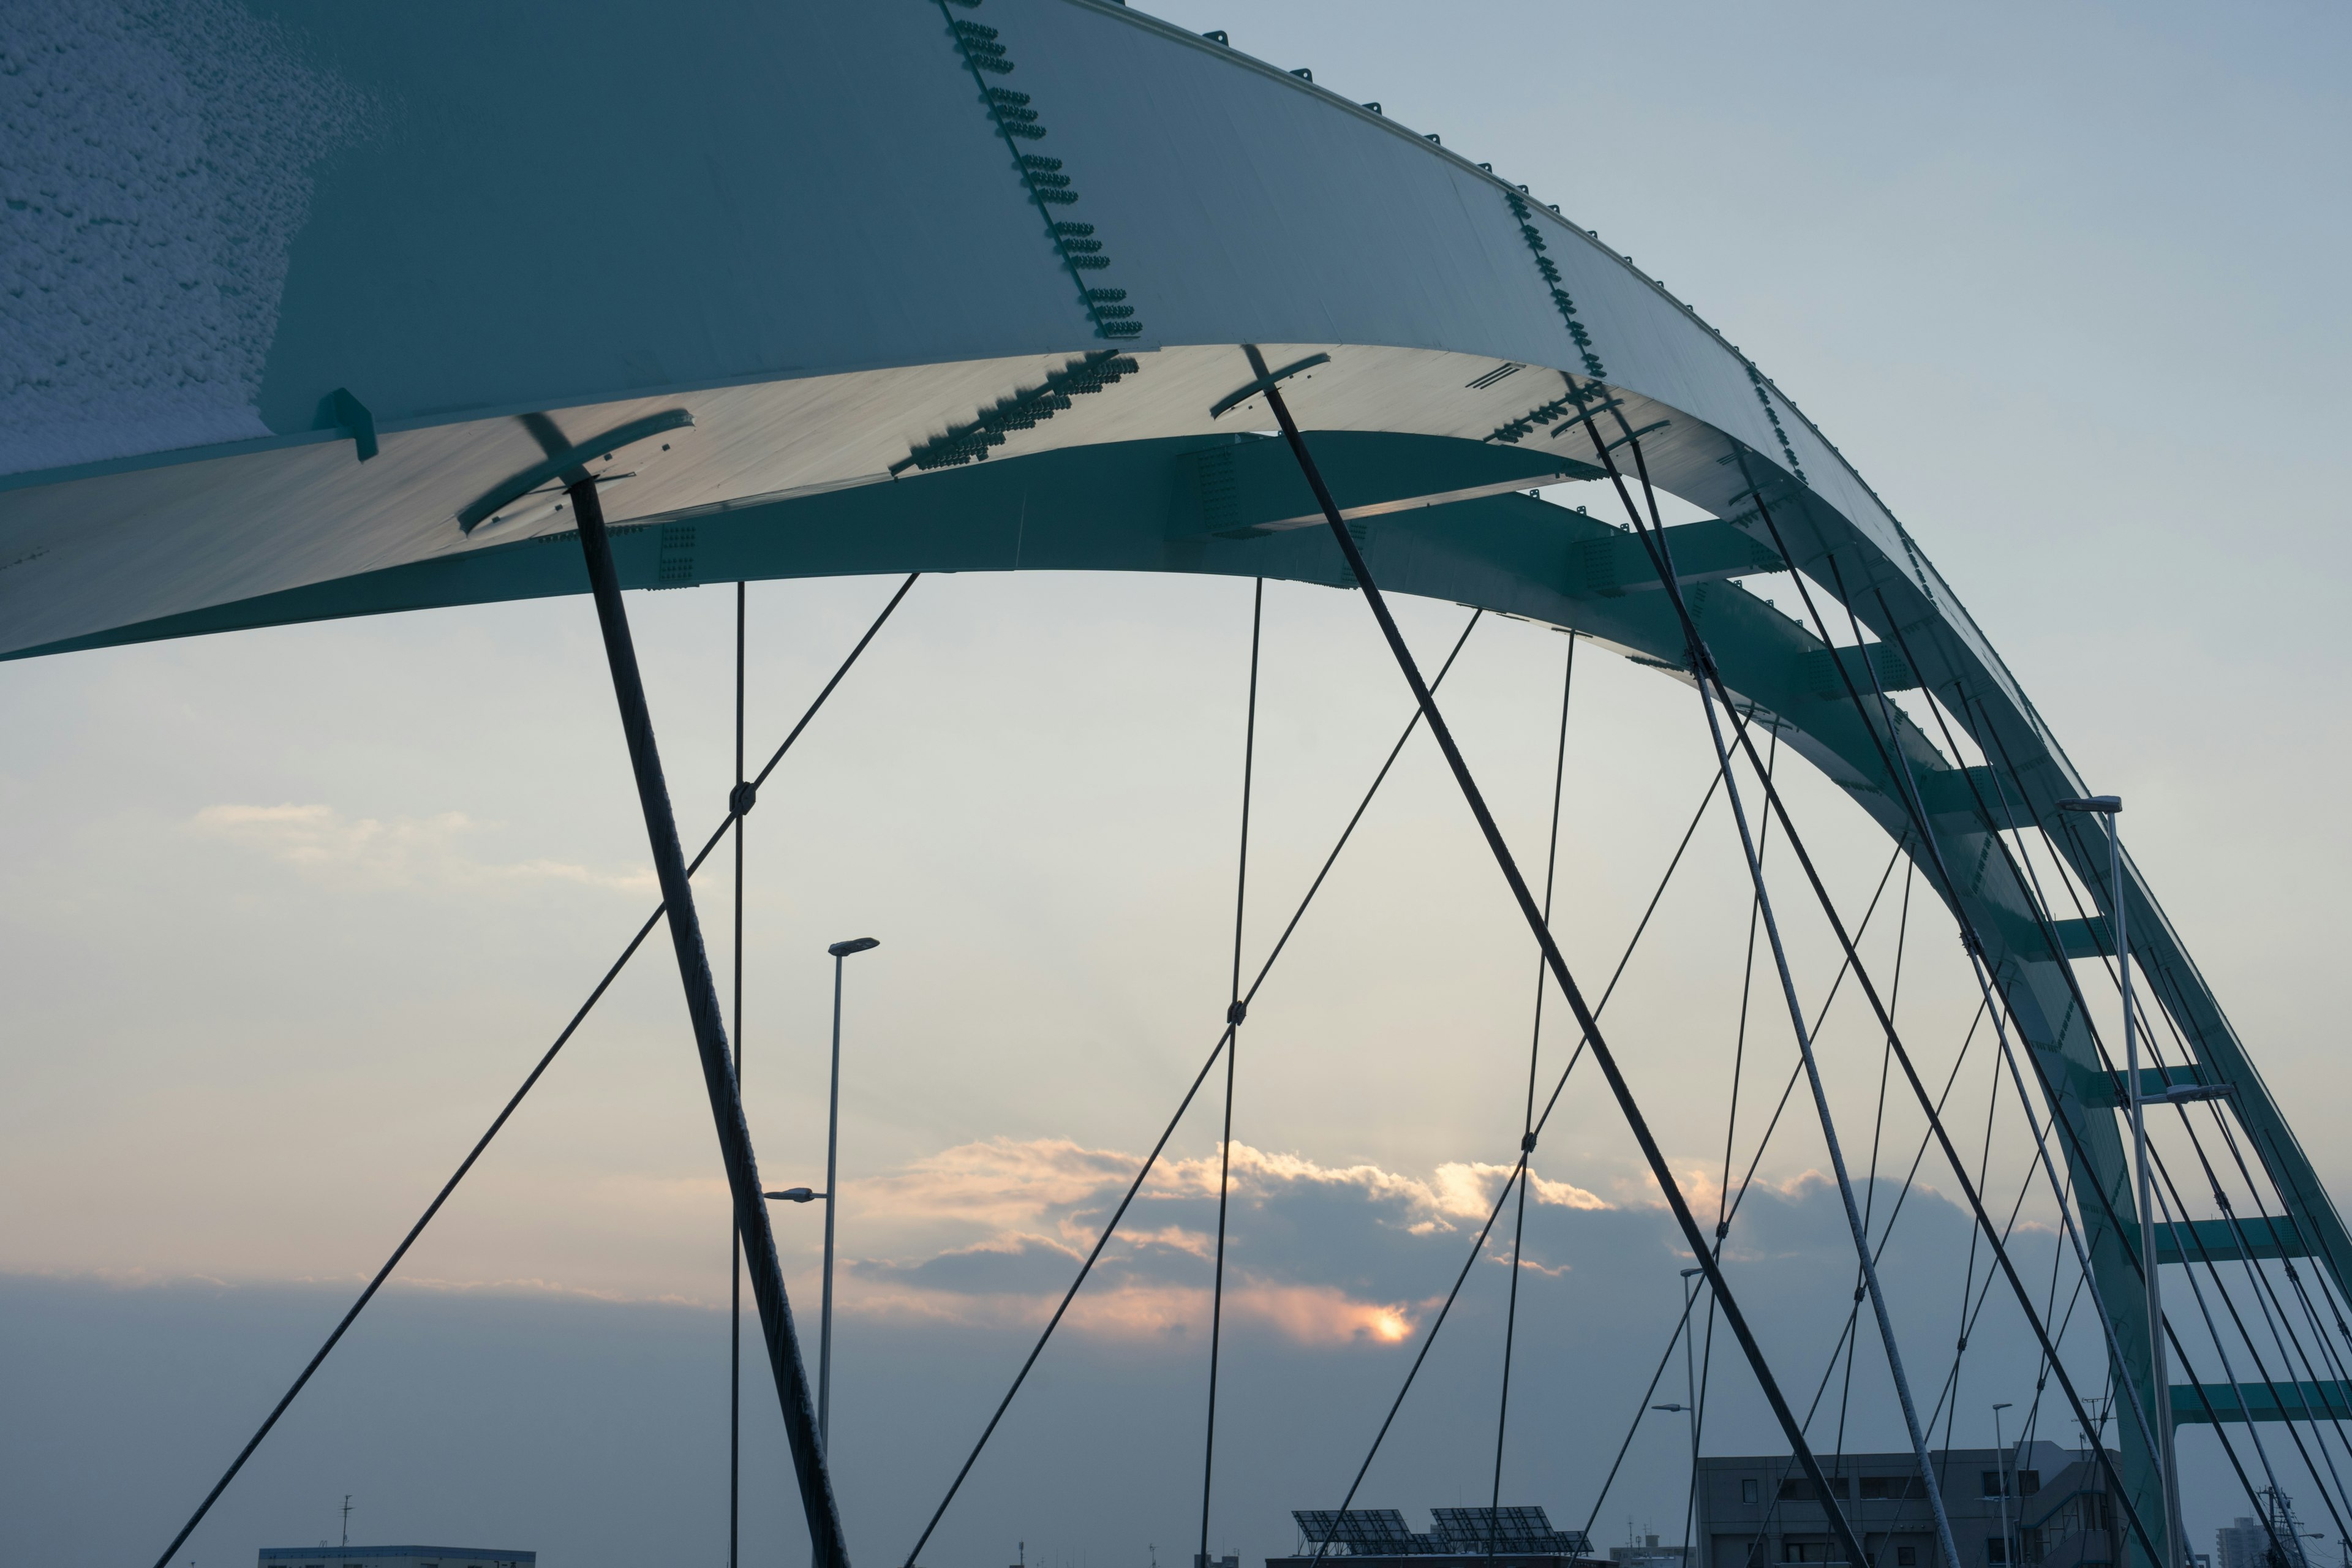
352, 310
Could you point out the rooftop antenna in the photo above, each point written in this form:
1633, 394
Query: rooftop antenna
347, 1520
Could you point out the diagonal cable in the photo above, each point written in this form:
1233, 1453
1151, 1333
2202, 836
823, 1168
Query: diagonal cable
1234, 1013
736, 809
1527, 1119
1152, 1159
1706, 671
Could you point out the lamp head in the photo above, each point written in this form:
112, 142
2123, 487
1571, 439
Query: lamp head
855, 945
793, 1196
2097, 804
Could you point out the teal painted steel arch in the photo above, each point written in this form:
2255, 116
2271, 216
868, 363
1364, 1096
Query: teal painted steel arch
849, 242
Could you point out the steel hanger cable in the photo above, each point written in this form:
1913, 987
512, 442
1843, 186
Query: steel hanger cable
1911, 802
735, 1227
1234, 1014
1527, 1121
1519, 1170
1701, 663
735, 810
2040, 906
1885, 1235
1520, 894
1878, 1135
1707, 672
1740, 1040
1899, 771
2032, 878
1152, 1159
2177, 1209
2258, 1281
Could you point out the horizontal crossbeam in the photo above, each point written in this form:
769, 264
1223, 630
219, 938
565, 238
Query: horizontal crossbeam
1248, 487
2157, 1085
1616, 563
2255, 1402
1888, 670
2213, 1238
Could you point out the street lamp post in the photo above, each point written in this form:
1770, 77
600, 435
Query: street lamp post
2110, 806
841, 951
2001, 1459
1690, 1394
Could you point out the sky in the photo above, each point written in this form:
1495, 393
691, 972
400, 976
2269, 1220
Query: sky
287, 915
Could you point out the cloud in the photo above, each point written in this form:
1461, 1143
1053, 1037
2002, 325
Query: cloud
1319, 1254
406, 852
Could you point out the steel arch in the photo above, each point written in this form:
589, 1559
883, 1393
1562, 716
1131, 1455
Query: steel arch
831, 246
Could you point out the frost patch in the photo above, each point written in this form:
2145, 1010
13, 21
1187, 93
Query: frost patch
155, 166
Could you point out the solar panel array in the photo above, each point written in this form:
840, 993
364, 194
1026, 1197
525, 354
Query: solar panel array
1382, 1532
1362, 1532
1503, 1529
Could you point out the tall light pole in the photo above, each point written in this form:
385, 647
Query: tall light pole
1690, 1394
2110, 806
841, 952
2001, 1459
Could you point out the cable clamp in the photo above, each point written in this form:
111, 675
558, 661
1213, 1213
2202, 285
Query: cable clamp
1526, 1142
1236, 1013
743, 798
1265, 382
1857, 1295
1722, 1229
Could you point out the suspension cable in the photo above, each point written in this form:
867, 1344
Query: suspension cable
1968, 1319
1702, 663
1709, 673
1152, 1159
1733, 1210
1740, 1040
1527, 1119
2266, 1298
1898, 768
1878, 1131
1519, 1170
2221, 1202
2167, 1010
1913, 805
2032, 878
2294, 1276
2175, 1208
2107, 1320
1234, 1013
736, 809
2228, 1370
1885, 1236
735, 1034
1619, 1089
